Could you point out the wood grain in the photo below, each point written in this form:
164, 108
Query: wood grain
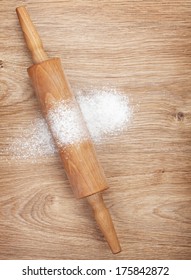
142, 49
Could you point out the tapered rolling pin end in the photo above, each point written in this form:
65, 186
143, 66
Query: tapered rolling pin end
18, 9
104, 221
31, 36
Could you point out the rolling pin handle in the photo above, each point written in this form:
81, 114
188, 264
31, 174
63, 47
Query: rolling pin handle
104, 221
32, 38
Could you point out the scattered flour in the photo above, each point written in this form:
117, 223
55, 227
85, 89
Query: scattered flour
66, 123
34, 141
106, 113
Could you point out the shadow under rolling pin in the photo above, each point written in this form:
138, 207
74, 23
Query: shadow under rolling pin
79, 159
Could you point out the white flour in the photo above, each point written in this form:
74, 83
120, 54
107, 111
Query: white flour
106, 113
34, 141
66, 123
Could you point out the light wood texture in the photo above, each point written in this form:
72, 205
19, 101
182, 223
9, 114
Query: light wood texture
141, 48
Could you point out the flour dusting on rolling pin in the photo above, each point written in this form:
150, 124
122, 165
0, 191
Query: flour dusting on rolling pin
79, 157
66, 123
107, 113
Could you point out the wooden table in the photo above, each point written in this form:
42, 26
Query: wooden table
142, 49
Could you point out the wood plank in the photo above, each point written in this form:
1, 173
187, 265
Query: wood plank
142, 49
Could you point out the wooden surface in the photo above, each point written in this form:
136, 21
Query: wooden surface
143, 49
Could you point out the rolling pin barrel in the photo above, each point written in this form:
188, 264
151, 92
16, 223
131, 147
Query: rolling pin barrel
79, 159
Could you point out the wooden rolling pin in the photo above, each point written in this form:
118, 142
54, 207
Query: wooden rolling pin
79, 159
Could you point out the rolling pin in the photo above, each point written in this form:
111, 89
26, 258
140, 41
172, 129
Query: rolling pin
79, 159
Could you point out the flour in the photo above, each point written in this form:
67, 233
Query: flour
34, 141
66, 123
106, 113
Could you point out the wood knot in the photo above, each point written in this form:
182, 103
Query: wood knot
161, 170
180, 116
1, 63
